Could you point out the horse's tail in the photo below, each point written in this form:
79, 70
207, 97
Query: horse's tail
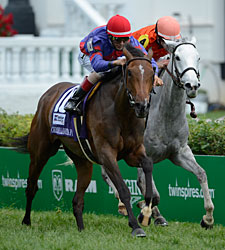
19, 144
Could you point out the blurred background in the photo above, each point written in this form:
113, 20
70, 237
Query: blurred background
46, 47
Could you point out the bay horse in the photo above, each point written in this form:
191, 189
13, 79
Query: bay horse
115, 119
166, 134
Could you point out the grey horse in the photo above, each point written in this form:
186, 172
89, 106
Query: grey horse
166, 134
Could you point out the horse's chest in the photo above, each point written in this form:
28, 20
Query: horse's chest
161, 145
130, 142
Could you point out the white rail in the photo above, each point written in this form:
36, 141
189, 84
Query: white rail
35, 59
30, 65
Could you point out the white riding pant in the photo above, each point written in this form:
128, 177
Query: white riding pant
84, 60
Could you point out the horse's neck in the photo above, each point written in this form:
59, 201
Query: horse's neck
172, 99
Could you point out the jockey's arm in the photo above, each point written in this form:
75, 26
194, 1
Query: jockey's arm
162, 63
119, 62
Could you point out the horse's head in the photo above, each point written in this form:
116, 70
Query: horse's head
138, 78
184, 65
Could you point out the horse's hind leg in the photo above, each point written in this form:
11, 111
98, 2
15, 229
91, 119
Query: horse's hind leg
84, 173
39, 155
159, 220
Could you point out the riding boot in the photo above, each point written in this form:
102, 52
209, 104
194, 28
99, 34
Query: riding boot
79, 94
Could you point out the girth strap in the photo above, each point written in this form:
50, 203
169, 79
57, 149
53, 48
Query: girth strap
84, 144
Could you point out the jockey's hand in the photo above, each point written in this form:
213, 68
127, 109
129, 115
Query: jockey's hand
162, 64
120, 62
157, 81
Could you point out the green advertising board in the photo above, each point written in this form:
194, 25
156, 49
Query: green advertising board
181, 194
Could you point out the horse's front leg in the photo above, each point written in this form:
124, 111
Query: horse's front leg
138, 158
111, 167
158, 218
145, 216
156, 215
186, 160
121, 207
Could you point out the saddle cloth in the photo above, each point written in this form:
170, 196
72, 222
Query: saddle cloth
62, 121
72, 125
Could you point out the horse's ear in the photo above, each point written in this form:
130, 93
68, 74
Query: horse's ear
169, 45
150, 54
193, 40
127, 54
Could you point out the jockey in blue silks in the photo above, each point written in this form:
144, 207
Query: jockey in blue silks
100, 51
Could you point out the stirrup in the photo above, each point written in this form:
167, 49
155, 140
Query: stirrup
71, 106
77, 110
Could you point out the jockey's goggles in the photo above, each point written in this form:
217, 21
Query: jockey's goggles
120, 39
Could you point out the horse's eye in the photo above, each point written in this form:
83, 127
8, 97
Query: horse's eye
177, 58
129, 73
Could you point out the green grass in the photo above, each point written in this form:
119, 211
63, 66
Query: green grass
57, 230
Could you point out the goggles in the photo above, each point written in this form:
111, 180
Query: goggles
120, 39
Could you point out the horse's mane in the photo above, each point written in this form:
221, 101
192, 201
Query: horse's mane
134, 51
109, 75
184, 40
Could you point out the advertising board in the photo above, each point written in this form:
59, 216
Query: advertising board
180, 192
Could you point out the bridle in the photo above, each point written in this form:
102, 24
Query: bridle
177, 78
130, 96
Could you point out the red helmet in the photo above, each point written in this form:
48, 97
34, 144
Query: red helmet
118, 26
168, 28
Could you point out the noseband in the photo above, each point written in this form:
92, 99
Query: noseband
130, 96
177, 78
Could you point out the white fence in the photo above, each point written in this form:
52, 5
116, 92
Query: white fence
27, 58
30, 65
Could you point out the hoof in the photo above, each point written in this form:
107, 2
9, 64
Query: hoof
206, 226
138, 232
144, 220
160, 221
80, 229
26, 222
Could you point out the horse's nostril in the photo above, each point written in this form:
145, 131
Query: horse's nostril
141, 106
196, 87
138, 105
188, 85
